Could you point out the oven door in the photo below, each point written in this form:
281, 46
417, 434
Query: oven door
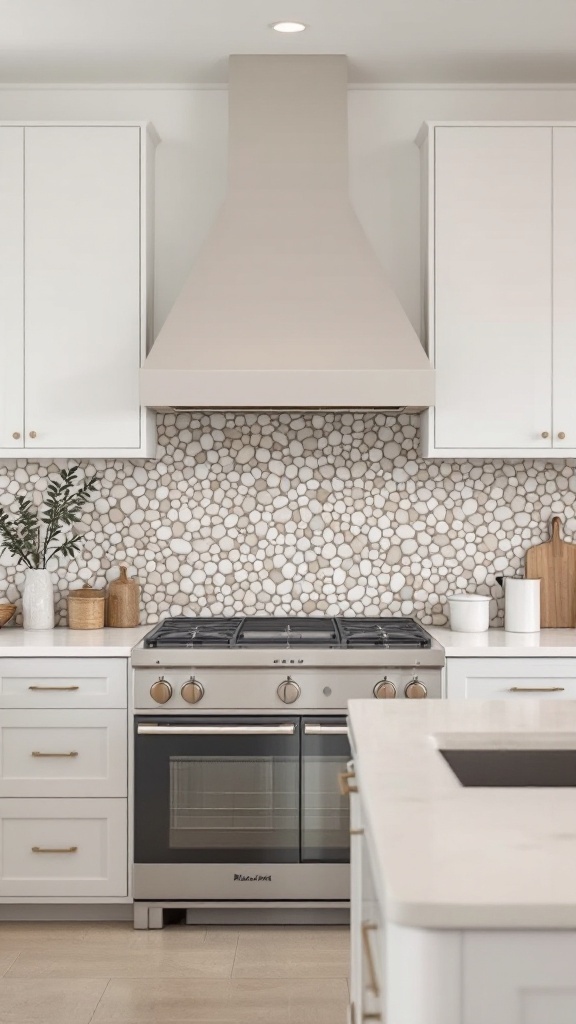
325, 812
217, 790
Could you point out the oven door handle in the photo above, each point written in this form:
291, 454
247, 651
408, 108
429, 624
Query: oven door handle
325, 730
216, 730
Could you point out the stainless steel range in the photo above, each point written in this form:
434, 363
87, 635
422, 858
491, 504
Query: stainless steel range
240, 735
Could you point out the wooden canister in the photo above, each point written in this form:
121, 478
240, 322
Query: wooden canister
86, 608
123, 601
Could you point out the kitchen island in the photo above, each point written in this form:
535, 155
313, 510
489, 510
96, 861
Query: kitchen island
464, 897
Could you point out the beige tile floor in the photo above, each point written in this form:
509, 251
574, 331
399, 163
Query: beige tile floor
111, 974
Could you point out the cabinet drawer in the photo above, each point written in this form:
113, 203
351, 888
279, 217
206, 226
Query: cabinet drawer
63, 682
63, 848
511, 678
63, 753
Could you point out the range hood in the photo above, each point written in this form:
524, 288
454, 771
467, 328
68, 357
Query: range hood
287, 305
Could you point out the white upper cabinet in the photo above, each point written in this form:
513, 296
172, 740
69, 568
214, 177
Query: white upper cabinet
75, 265
564, 301
11, 288
501, 308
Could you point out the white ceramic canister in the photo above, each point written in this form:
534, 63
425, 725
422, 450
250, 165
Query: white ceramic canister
522, 605
469, 613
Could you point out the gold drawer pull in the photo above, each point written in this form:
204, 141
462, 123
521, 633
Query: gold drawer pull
40, 753
57, 849
368, 927
53, 687
537, 689
345, 787
356, 831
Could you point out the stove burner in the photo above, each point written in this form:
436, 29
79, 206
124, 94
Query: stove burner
389, 633
185, 631
290, 632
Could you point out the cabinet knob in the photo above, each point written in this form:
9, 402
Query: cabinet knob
16, 435
545, 433
33, 433
561, 435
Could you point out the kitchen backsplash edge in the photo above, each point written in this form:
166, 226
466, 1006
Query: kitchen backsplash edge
302, 513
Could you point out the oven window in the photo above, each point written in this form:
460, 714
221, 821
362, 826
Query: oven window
325, 812
226, 791
232, 803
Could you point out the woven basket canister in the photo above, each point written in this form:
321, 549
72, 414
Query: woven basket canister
86, 608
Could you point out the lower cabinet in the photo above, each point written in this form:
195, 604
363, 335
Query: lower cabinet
63, 780
63, 753
63, 848
366, 928
511, 678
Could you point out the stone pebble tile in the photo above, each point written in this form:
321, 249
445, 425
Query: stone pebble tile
301, 513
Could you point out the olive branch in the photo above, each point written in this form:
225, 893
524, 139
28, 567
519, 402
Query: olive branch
33, 537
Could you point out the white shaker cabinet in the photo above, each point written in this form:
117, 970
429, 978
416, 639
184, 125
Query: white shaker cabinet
75, 267
512, 679
64, 800
500, 259
11, 288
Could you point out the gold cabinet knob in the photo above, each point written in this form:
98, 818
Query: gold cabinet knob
545, 433
33, 433
561, 435
16, 435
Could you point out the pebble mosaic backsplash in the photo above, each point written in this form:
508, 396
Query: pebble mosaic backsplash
289, 513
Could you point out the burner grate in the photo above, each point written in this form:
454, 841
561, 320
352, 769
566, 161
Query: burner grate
389, 633
288, 632
185, 631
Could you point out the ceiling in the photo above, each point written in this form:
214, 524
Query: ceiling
386, 40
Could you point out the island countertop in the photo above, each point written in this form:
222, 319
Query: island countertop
446, 856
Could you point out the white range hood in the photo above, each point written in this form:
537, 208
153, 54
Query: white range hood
287, 305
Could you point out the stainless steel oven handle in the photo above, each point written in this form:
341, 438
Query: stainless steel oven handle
325, 730
216, 730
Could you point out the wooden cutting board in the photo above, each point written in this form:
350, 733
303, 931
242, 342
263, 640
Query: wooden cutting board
555, 564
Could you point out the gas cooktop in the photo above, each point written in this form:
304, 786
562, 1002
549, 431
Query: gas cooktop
288, 633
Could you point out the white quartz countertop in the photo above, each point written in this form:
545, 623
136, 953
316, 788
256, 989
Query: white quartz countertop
69, 643
446, 856
497, 643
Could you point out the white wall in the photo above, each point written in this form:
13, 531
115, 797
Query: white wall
191, 161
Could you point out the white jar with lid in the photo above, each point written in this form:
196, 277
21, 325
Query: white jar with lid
469, 613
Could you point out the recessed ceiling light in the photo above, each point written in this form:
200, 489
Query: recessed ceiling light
288, 26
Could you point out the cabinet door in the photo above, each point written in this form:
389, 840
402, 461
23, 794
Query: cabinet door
42, 683
513, 678
564, 424
82, 262
519, 978
493, 295
11, 287
63, 848
63, 753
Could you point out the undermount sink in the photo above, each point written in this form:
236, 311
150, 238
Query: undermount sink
505, 768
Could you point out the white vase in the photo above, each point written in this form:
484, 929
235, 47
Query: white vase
38, 600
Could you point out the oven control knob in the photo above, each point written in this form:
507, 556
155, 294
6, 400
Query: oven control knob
415, 690
192, 691
288, 691
161, 691
385, 688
